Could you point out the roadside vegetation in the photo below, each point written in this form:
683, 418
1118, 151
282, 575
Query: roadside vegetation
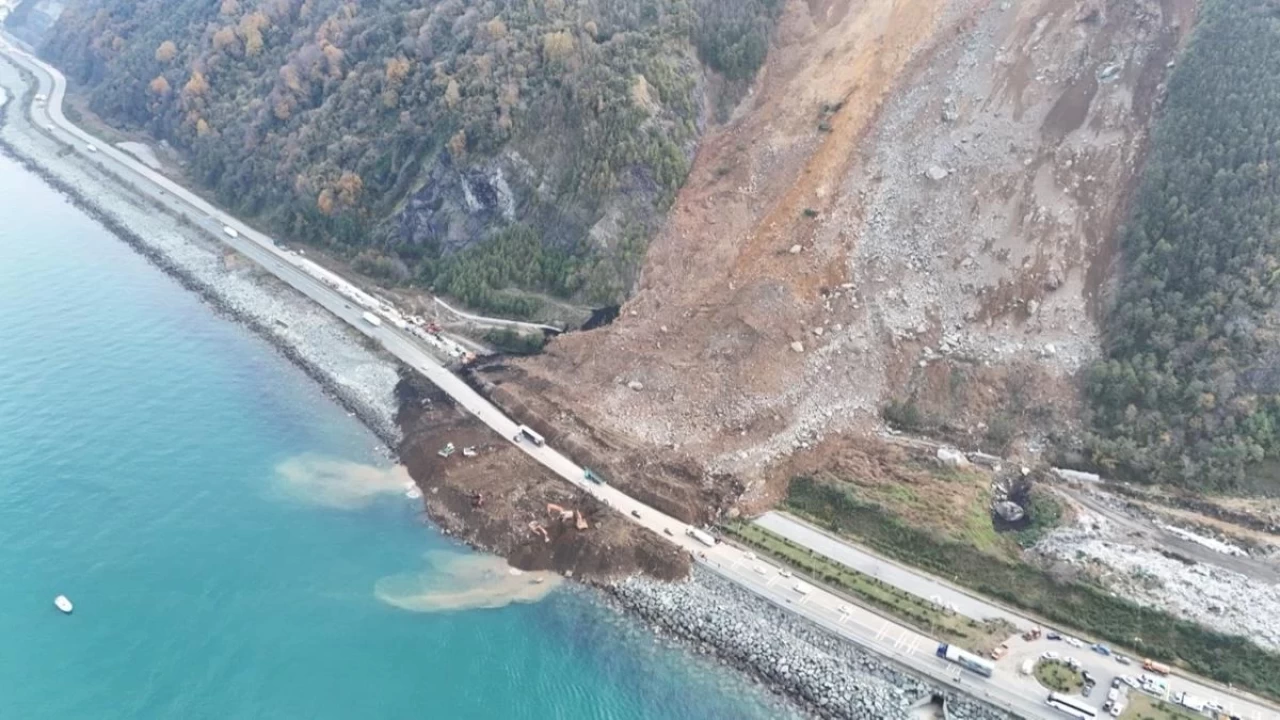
1187, 392
1092, 610
1145, 707
405, 131
514, 342
1057, 676
973, 635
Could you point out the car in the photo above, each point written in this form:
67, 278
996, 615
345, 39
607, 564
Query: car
1073, 642
785, 573
1101, 649
1124, 659
635, 514
1115, 683
750, 556
1087, 676
1087, 689
1131, 681
1052, 636
1072, 663
1049, 655
668, 532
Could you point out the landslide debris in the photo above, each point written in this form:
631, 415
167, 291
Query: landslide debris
498, 499
909, 283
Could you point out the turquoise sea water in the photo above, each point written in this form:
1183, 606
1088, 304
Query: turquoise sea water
141, 438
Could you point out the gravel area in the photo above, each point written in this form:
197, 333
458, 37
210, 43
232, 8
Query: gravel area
362, 379
1216, 597
829, 676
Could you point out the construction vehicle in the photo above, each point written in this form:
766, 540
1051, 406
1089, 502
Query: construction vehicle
446, 451
1032, 634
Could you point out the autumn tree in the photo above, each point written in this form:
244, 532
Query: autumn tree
166, 51
557, 46
225, 40
196, 86
159, 86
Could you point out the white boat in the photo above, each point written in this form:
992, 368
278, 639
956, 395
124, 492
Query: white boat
62, 603
413, 493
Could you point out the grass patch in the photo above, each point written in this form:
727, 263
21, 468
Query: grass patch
1145, 707
1058, 677
976, 636
1086, 607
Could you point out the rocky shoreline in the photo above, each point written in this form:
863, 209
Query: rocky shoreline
826, 675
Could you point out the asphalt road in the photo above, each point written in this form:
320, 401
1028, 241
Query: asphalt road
921, 584
887, 638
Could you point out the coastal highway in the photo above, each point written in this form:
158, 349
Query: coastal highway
900, 644
923, 585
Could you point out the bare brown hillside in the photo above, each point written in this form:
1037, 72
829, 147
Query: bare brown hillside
916, 202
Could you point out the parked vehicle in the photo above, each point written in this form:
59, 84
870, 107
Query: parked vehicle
1124, 659
1052, 636
1101, 649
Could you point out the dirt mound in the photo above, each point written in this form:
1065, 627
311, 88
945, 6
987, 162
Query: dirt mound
497, 500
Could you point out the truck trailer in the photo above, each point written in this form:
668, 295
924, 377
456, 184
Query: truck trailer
701, 536
966, 660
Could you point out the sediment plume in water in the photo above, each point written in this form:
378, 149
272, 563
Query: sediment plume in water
464, 581
335, 483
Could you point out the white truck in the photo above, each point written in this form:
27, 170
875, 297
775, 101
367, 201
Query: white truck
1190, 702
701, 536
371, 319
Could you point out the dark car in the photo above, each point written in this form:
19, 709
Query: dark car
1088, 688
1053, 636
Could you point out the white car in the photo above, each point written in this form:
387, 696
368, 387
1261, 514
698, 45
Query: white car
1073, 642
1049, 655
91, 148
1072, 663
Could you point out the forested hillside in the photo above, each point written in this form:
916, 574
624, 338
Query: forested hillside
1190, 389
472, 145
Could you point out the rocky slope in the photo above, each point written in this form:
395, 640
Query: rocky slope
917, 204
